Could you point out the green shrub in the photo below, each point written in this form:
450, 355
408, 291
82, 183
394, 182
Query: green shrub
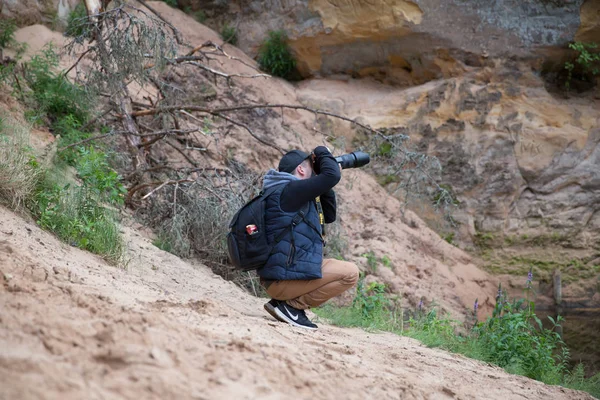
585, 65
8, 28
370, 309
80, 214
449, 237
68, 127
78, 23
275, 57
229, 34
515, 339
54, 97
370, 300
93, 169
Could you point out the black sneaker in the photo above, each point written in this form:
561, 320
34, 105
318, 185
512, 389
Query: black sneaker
293, 316
270, 308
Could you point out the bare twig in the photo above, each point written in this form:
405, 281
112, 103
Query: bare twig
87, 140
254, 135
194, 163
223, 74
78, 60
169, 182
141, 186
95, 119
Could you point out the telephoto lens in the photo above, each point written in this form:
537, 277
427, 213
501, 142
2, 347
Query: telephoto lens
356, 159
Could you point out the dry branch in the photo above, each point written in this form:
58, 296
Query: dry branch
191, 107
157, 133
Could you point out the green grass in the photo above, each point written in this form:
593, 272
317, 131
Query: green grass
19, 174
77, 215
512, 338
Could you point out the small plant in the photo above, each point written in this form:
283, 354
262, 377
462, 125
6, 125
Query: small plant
449, 237
8, 27
386, 261
200, 16
53, 95
588, 61
576, 380
229, 34
371, 260
93, 169
275, 56
163, 243
370, 301
78, 23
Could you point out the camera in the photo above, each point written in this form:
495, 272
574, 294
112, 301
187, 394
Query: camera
356, 159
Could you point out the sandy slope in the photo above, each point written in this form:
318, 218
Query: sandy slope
72, 327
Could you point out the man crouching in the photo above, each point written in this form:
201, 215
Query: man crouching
295, 275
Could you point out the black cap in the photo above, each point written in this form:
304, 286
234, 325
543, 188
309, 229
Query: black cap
291, 160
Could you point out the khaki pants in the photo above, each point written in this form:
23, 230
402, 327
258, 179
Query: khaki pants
338, 276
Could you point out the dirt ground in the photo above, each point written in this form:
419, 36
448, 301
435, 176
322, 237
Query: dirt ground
72, 327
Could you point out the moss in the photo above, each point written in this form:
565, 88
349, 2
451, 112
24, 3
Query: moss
483, 240
572, 270
384, 180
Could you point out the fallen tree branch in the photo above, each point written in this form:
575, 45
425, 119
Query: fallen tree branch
214, 111
157, 133
78, 60
223, 74
169, 182
247, 128
161, 184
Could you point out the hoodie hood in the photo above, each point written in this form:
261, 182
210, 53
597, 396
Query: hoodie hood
273, 178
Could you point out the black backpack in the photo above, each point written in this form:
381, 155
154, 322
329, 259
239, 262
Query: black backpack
247, 238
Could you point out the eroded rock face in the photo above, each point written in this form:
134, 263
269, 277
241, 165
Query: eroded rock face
520, 160
589, 31
411, 42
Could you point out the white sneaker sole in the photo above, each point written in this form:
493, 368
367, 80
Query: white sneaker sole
271, 310
285, 318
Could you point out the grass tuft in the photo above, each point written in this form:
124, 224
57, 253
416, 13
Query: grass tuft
19, 173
